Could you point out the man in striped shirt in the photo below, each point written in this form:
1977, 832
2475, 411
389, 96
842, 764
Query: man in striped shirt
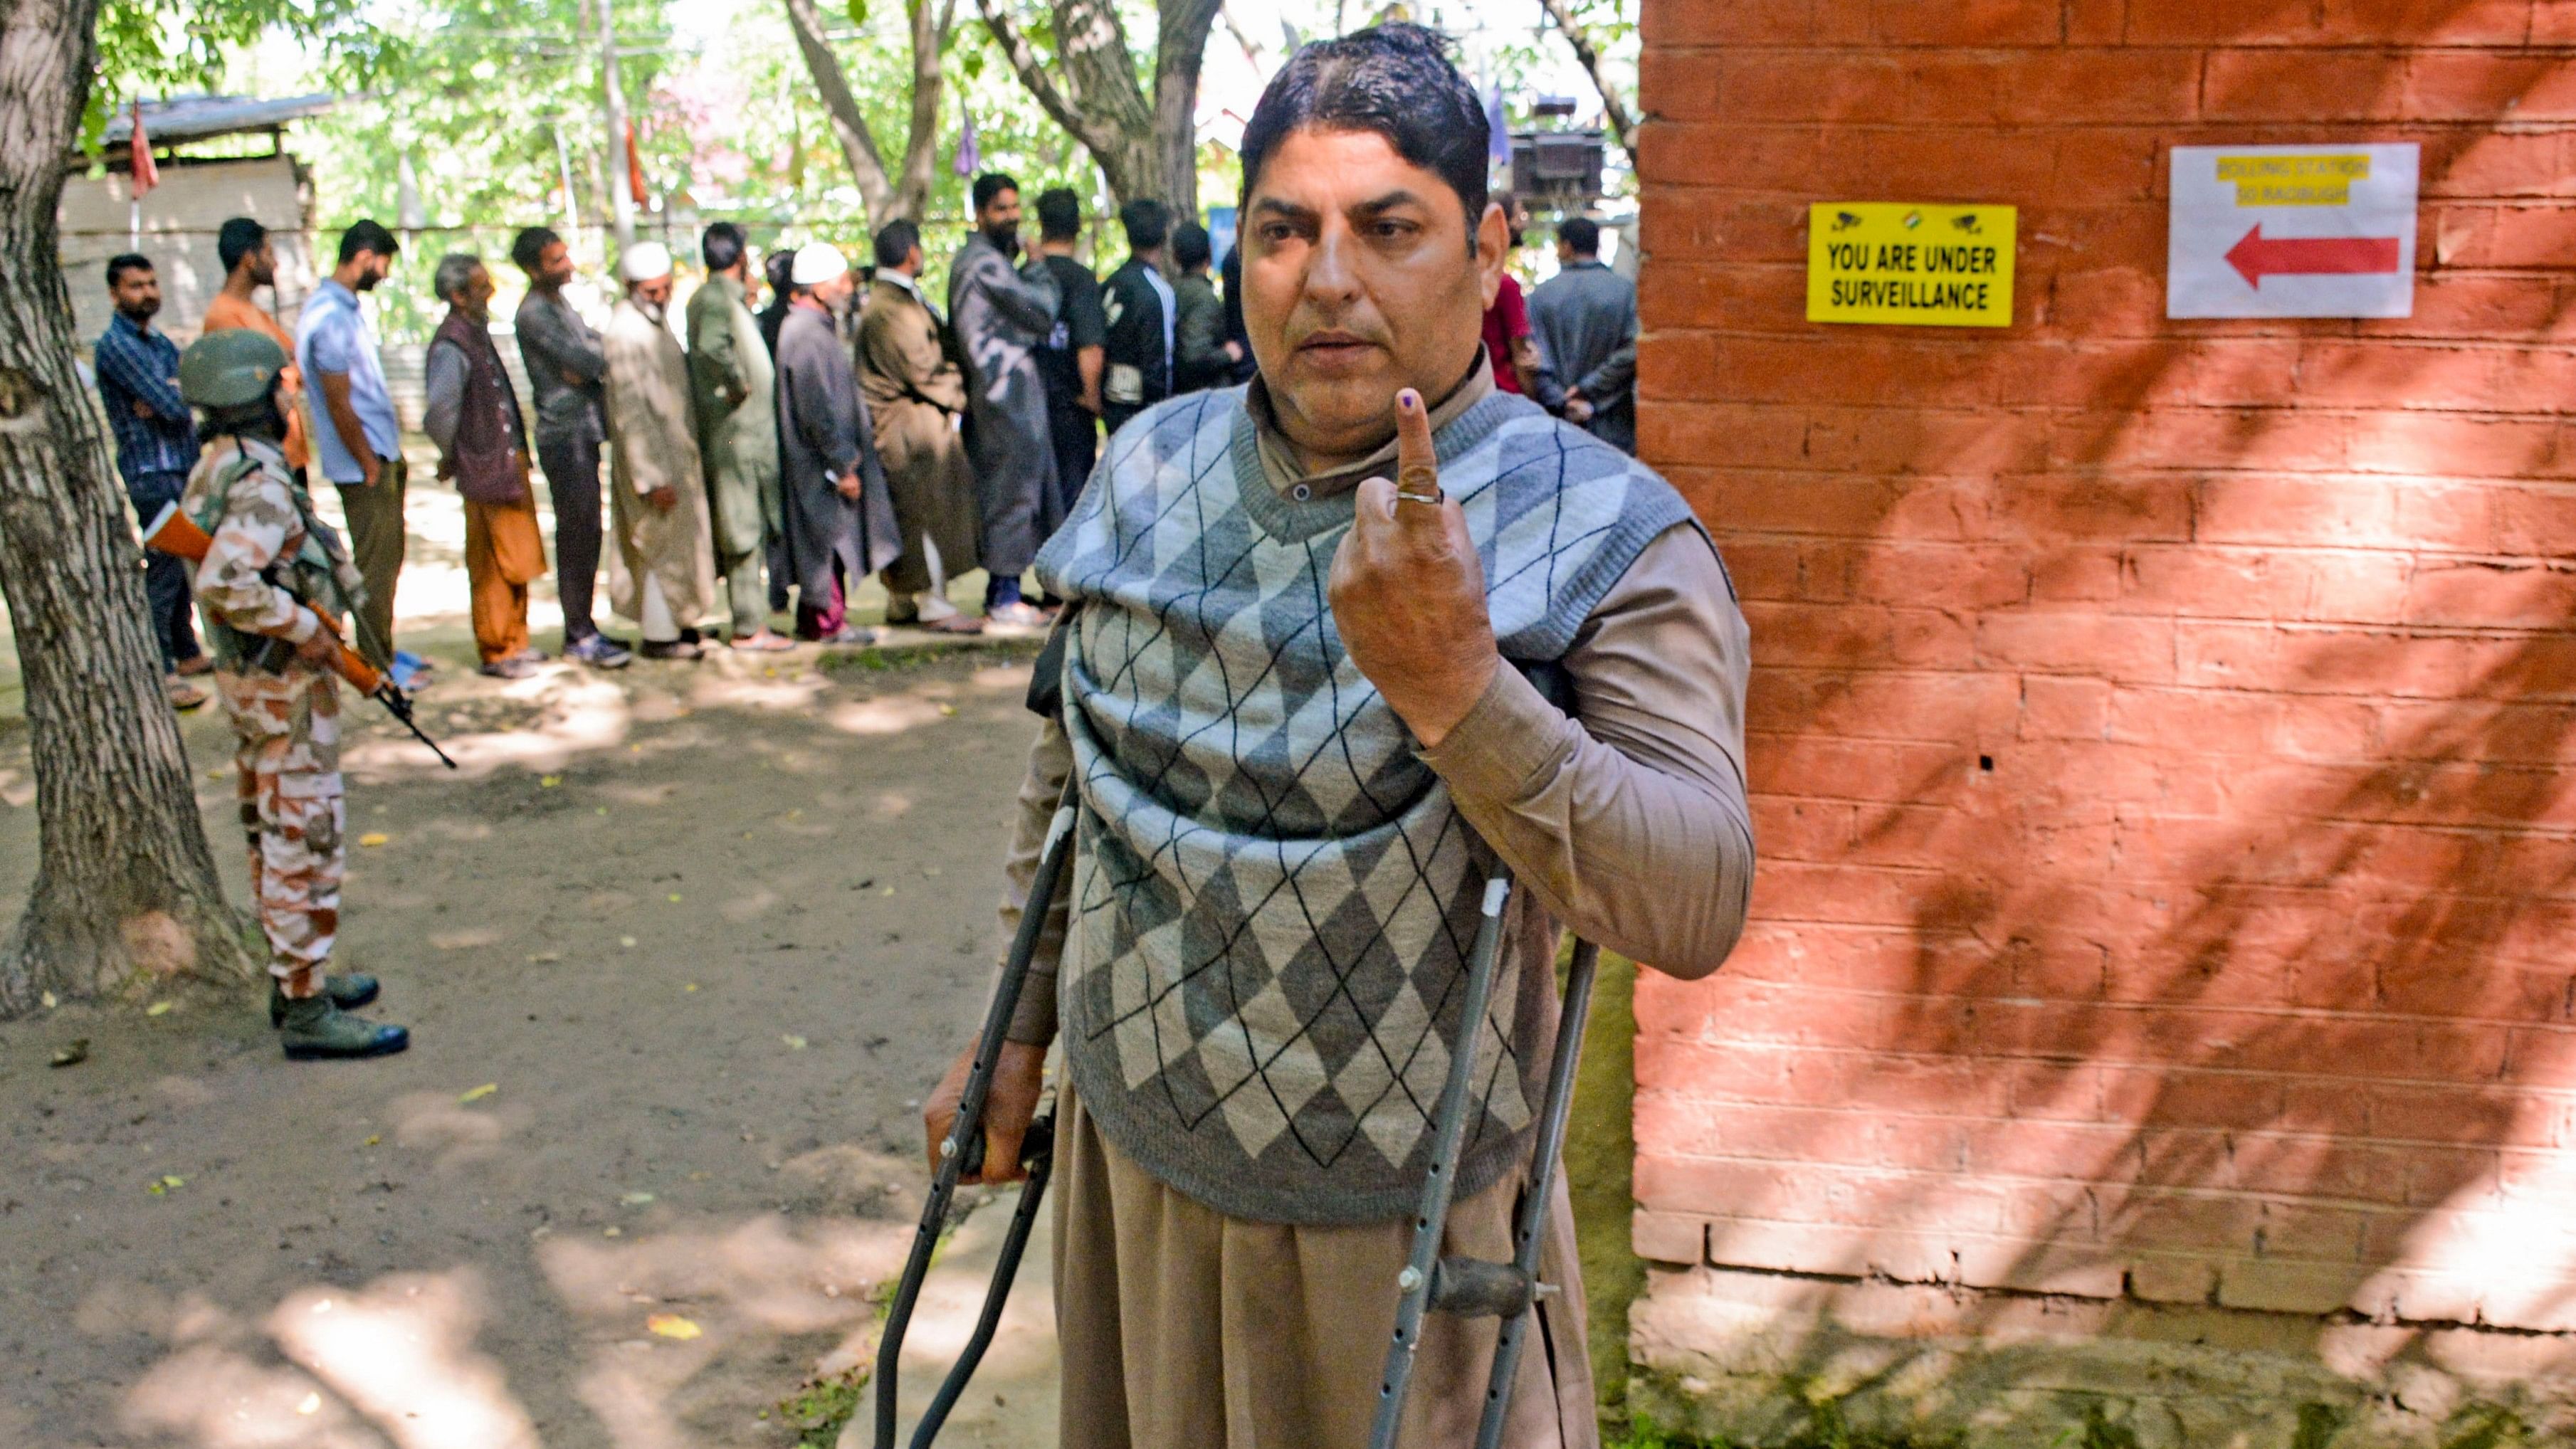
156, 445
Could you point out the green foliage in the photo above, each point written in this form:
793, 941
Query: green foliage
1825, 1428
2488, 1427
817, 1411
153, 48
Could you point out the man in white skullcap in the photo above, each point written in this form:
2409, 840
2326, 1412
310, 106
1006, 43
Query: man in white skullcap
662, 574
838, 510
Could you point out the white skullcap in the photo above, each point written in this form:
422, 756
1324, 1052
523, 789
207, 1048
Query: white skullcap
644, 261
818, 262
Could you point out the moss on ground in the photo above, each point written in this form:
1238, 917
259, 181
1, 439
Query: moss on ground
1600, 1165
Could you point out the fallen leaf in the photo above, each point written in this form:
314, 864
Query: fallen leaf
672, 1325
548, 782
599, 810
72, 1053
479, 1093
311, 1405
374, 837
372, 1141
675, 898
794, 1043
626, 941
545, 958
636, 1199
948, 710
612, 1232
162, 1187
159, 1008
49, 1000
692, 986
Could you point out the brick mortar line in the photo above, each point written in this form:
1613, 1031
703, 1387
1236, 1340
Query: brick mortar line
2342, 1317
2291, 1013
2542, 1091
2271, 1197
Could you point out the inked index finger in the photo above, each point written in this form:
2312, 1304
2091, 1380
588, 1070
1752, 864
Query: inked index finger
1417, 465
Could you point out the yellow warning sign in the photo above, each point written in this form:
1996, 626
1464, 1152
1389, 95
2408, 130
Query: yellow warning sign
1905, 262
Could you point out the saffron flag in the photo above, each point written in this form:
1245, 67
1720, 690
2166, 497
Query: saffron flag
146, 174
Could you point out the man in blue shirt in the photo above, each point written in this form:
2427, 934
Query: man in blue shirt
156, 445
357, 441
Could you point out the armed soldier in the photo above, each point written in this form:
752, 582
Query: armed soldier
274, 584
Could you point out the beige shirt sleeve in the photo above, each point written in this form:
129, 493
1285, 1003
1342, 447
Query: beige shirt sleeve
1628, 819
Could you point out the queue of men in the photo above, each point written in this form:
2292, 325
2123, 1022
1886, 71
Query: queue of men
969, 430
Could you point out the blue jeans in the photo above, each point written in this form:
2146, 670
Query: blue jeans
165, 575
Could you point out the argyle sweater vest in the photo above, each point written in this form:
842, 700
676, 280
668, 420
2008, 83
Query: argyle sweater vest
1273, 898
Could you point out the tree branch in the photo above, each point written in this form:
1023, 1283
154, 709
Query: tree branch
1032, 70
1613, 106
849, 125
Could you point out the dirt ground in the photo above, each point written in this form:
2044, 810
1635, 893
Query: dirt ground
681, 948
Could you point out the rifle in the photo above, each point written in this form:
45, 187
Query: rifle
174, 532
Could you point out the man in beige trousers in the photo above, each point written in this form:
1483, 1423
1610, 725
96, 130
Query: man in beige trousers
1290, 702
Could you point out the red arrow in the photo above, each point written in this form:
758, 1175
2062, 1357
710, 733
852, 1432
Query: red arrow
2258, 256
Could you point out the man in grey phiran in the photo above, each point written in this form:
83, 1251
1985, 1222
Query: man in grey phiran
1302, 742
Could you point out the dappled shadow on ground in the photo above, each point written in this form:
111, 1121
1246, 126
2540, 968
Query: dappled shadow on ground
681, 948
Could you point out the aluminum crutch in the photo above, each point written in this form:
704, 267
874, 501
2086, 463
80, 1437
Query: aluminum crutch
1474, 1287
963, 1151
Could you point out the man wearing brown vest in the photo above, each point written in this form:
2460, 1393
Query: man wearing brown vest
473, 416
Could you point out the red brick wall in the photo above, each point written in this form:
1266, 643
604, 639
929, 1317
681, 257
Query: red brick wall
2160, 730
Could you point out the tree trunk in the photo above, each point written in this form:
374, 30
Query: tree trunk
906, 193
1144, 147
125, 898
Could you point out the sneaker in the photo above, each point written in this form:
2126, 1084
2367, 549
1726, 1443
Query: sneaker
599, 652
671, 649
404, 658
407, 677
515, 667
316, 1029
347, 992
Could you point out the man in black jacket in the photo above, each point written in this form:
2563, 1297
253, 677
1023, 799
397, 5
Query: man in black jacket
1142, 313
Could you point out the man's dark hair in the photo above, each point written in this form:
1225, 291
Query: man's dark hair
1581, 235
529, 246
1059, 214
780, 267
990, 185
895, 241
722, 246
1395, 80
124, 262
239, 238
1147, 222
367, 235
1189, 246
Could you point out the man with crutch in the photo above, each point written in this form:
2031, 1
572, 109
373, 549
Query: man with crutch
1294, 701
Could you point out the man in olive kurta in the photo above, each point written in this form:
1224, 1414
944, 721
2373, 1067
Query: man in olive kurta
664, 568
916, 394
733, 383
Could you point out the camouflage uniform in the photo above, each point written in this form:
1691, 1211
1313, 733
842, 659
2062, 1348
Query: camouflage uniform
285, 711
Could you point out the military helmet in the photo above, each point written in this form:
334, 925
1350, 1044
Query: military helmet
230, 369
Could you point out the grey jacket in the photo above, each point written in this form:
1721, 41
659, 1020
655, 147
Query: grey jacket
1586, 321
554, 340
1001, 316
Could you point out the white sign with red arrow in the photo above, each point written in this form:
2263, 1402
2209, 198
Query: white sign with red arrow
2292, 231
